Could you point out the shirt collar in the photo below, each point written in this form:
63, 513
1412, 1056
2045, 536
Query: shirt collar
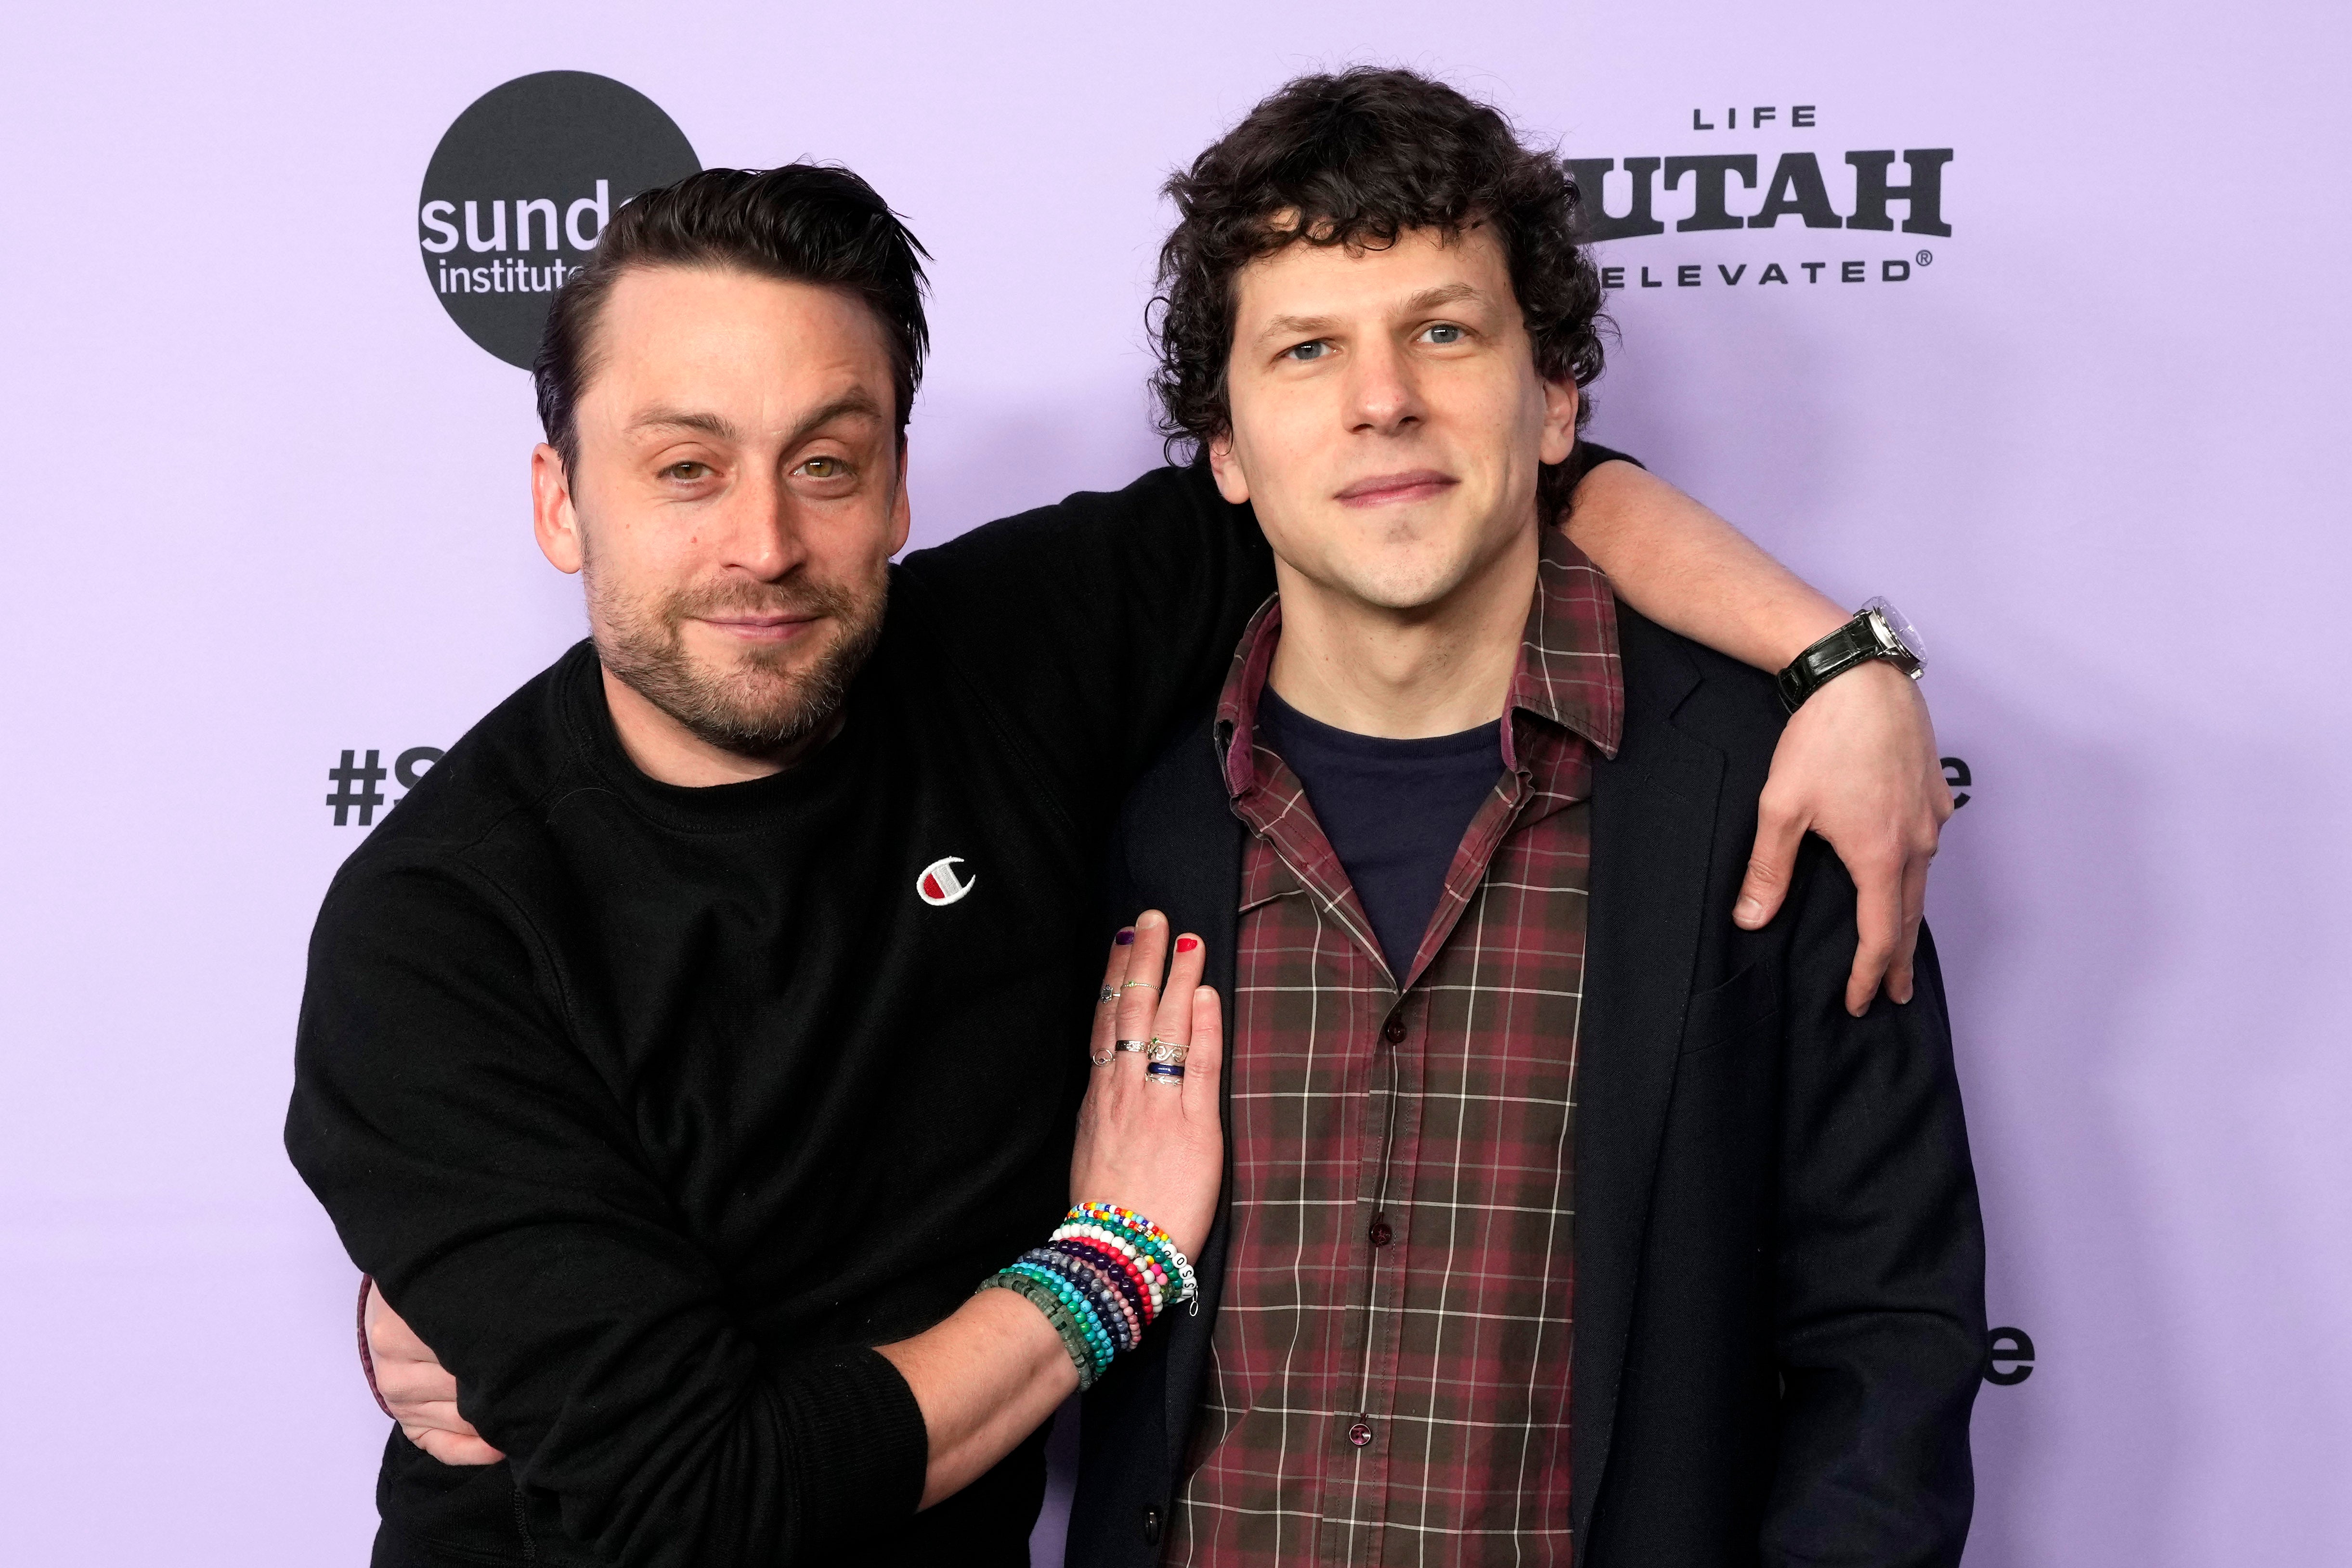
1568, 671
1568, 674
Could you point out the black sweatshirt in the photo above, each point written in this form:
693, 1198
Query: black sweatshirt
651, 1108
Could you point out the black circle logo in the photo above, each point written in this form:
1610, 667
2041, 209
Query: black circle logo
520, 189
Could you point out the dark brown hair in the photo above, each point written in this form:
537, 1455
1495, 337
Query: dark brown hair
1356, 158
804, 222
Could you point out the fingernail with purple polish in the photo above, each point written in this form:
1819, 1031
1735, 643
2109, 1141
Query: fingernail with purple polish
1125, 936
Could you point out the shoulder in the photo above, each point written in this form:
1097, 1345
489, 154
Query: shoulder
484, 800
1708, 697
1075, 532
1182, 795
1176, 833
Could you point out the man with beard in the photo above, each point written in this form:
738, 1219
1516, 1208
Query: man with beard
709, 1016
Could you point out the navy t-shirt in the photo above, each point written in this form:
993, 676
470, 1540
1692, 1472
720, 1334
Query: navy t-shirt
1394, 810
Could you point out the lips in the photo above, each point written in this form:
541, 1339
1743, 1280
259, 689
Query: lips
1386, 489
760, 628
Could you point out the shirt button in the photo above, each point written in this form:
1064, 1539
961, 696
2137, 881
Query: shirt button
1360, 1434
1382, 1234
1394, 1030
1151, 1527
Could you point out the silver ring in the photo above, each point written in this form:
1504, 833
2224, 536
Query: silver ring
1099, 1059
1131, 1044
1153, 984
1167, 1053
1109, 994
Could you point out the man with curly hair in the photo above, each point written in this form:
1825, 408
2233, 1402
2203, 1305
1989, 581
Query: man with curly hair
1566, 1219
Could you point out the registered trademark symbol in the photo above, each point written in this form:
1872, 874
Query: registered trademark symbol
1926, 258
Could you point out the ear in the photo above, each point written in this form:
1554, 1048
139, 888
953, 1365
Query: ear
1561, 403
552, 516
902, 514
1232, 483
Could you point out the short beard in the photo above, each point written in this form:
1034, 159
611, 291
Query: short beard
760, 703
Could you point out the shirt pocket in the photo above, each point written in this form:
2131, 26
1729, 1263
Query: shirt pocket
1746, 1004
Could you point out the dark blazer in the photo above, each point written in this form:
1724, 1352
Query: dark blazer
1779, 1263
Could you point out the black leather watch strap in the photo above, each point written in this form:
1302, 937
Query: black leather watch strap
1851, 643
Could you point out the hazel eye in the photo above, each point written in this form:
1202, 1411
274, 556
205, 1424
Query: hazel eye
689, 472
824, 468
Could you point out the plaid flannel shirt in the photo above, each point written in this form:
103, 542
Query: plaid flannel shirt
1390, 1368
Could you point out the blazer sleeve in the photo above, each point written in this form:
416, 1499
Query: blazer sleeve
1879, 1324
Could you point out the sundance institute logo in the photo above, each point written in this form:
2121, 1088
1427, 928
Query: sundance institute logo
520, 189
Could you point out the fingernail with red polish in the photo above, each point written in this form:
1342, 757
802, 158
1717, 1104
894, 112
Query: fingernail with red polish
1186, 944
1125, 936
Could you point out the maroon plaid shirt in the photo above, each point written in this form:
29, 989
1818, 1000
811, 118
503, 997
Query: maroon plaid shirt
1390, 1369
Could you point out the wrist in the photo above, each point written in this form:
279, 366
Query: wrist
1104, 1276
1031, 1339
991, 1329
1803, 624
1876, 633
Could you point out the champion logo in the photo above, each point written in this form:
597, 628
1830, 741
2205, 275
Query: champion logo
939, 882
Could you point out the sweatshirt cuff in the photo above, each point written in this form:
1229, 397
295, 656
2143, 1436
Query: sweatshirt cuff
862, 1448
367, 1356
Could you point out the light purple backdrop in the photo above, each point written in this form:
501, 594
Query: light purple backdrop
266, 503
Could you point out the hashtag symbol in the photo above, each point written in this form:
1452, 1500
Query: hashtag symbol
367, 797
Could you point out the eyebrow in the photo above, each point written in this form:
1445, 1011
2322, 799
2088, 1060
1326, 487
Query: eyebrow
1427, 299
1295, 325
682, 419
1445, 294
718, 428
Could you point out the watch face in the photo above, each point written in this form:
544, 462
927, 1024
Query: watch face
1894, 622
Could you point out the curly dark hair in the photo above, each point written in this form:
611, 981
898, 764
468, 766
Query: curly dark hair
1356, 159
803, 223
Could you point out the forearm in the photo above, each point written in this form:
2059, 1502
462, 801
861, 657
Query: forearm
985, 1379
990, 1375
1690, 571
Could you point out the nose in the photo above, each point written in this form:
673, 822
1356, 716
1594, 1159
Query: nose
1382, 397
759, 534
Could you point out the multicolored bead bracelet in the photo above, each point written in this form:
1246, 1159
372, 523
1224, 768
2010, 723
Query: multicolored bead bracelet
1101, 1280
1145, 1234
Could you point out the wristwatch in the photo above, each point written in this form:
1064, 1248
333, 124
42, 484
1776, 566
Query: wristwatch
1877, 630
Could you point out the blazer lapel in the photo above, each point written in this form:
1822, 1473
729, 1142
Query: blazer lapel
1654, 814
1203, 841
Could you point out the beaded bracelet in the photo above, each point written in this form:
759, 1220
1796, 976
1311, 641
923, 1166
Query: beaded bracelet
1102, 1279
1119, 1319
1089, 1316
1127, 1222
1057, 1312
1083, 1322
1139, 1265
1150, 1235
1129, 1251
1134, 1301
1126, 1276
